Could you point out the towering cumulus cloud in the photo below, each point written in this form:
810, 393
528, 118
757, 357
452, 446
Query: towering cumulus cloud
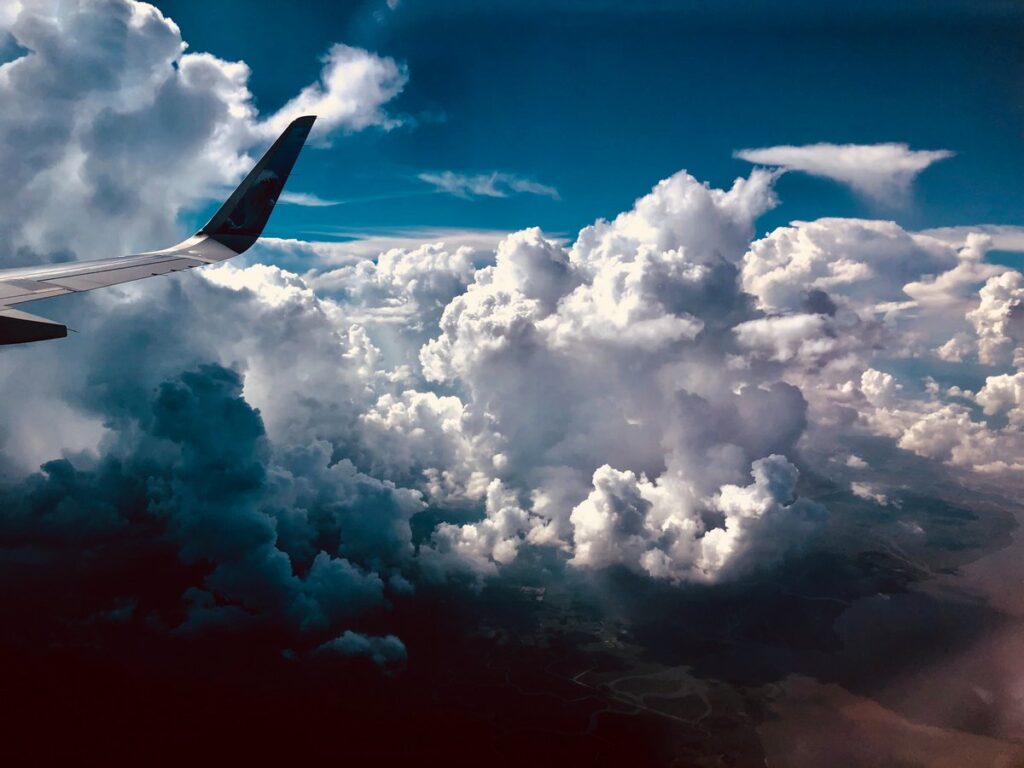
648, 397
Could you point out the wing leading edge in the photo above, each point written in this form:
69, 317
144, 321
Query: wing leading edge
231, 231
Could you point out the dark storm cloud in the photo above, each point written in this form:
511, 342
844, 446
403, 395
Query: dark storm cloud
387, 652
197, 461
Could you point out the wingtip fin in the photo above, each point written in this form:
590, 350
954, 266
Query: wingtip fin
240, 221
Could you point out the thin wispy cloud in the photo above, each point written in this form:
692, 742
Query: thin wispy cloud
315, 201
881, 172
352, 246
307, 200
496, 184
1004, 237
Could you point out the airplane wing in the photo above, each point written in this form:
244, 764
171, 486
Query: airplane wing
231, 231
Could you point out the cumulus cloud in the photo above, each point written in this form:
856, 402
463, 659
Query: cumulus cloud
891, 295
939, 427
882, 172
1004, 395
869, 492
354, 86
684, 215
92, 133
654, 528
495, 184
919, 294
387, 652
199, 461
618, 348
866, 262
286, 531
950, 434
786, 338
998, 319
1004, 237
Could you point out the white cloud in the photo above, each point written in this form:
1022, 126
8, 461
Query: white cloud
950, 434
652, 528
956, 349
355, 246
495, 184
998, 319
600, 345
306, 199
879, 388
423, 437
856, 462
950, 290
91, 132
1003, 237
885, 285
682, 214
883, 172
946, 431
1004, 395
866, 262
788, 337
354, 86
609, 525
869, 492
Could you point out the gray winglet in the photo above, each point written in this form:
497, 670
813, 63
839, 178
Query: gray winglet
240, 221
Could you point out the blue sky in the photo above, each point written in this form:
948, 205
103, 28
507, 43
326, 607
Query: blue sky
601, 102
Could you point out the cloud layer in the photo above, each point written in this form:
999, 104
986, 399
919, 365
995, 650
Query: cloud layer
494, 184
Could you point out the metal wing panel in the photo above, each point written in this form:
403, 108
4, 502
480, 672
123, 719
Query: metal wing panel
122, 274
31, 283
9, 295
12, 289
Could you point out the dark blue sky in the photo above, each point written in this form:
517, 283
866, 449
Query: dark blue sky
601, 102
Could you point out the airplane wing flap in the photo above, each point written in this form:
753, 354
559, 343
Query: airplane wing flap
10, 289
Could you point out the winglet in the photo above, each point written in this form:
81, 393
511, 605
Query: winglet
240, 221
